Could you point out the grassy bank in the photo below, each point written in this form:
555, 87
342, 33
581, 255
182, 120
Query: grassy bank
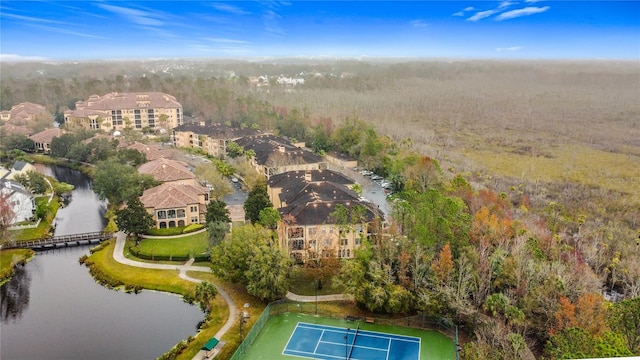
11, 258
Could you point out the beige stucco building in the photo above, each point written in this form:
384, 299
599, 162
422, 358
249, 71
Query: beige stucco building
116, 111
174, 205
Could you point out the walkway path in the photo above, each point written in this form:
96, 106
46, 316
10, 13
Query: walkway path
118, 255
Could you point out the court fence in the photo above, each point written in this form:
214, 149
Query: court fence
420, 321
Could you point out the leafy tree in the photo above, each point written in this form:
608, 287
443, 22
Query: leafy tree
575, 342
134, 219
209, 173
248, 256
625, 320
62, 145
234, 150
205, 293
131, 157
269, 218
33, 181
257, 200
117, 182
17, 141
216, 231
217, 212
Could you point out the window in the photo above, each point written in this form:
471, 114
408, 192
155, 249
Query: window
193, 209
312, 231
344, 242
162, 214
194, 219
180, 222
348, 253
327, 242
358, 241
171, 214
297, 244
297, 232
116, 117
312, 244
181, 213
163, 225
151, 118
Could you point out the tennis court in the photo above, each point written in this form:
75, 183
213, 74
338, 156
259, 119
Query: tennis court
329, 342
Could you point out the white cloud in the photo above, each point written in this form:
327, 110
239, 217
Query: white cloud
20, 58
532, 1
229, 9
481, 15
418, 23
31, 19
459, 13
226, 41
512, 48
530, 10
505, 4
139, 17
469, 8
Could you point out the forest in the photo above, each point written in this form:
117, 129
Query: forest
517, 182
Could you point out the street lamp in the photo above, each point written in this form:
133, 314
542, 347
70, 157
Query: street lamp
244, 316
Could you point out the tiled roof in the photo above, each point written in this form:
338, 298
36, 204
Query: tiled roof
171, 195
10, 129
128, 101
291, 178
275, 151
314, 202
216, 131
47, 135
166, 170
25, 110
152, 151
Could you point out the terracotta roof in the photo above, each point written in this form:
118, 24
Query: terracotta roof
128, 101
171, 195
152, 151
25, 111
216, 131
319, 212
47, 135
9, 129
291, 178
166, 170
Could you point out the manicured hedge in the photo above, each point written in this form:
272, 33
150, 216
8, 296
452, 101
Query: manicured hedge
175, 230
172, 257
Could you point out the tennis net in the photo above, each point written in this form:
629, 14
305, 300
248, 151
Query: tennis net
353, 343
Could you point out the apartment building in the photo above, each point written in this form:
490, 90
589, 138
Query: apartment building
117, 111
211, 139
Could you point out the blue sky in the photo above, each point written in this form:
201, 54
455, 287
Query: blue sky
524, 29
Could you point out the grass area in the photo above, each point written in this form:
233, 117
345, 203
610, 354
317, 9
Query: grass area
190, 244
44, 227
153, 279
572, 163
277, 331
10, 258
303, 283
240, 297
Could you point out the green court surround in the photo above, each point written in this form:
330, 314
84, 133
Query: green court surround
273, 338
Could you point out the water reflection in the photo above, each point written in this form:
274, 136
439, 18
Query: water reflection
14, 296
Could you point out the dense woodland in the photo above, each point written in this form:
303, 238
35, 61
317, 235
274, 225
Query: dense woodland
517, 183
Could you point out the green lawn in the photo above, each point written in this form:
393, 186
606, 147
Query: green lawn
10, 258
190, 244
45, 225
277, 331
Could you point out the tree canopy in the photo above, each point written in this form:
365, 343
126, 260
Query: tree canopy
134, 219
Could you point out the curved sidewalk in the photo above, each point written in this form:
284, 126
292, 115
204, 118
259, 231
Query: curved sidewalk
118, 255
313, 298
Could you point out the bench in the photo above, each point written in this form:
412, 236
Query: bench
369, 320
351, 318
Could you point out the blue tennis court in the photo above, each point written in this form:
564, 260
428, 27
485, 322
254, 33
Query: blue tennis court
329, 343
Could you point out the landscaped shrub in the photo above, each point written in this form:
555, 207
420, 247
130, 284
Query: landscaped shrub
166, 231
192, 228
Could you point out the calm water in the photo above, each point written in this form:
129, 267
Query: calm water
53, 309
